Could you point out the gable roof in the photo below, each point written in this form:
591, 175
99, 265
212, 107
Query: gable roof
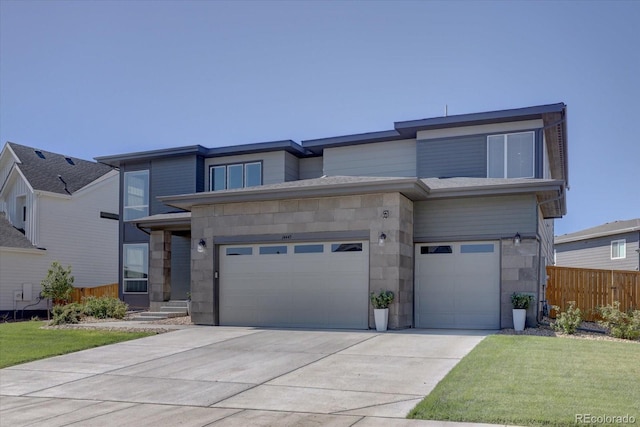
608, 229
10, 237
56, 173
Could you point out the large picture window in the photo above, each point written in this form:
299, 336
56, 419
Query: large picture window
618, 249
136, 195
511, 155
135, 261
240, 175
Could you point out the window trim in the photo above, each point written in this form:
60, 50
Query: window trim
125, 193
124, 279
622, 244
505, 160
226, 166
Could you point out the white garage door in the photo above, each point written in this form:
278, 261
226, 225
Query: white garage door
457, 285
317, 285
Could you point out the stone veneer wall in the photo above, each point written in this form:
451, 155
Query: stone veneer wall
159, 268
390, 267
520, 270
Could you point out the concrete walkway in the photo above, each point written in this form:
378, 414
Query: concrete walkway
224, 376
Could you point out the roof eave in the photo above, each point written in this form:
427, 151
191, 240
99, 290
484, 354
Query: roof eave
118, 159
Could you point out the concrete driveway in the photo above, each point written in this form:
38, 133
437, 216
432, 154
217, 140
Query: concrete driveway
225, 376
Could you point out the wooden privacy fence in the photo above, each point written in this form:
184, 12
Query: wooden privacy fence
591, 288
99, 291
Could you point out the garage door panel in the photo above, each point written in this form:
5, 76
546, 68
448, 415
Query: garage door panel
308, 286
457, 285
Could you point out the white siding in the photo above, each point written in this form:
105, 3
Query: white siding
74, 234
18, 187
16, 268
273, 165
393, 158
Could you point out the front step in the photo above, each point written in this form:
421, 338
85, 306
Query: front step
169, 309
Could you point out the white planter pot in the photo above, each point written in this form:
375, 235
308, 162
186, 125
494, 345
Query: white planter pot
381, 316
189, 307
519, 318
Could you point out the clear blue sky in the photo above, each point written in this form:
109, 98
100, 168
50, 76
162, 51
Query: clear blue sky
95, 78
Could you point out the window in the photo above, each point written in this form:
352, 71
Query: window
273, 250
428, 250
511, 155
346, 247
477, 248
308, 249
136, 195
239, 251
229, 177
618, 249
135, 267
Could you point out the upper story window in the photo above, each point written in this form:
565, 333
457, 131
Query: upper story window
511, 155
618, 249
239, 175
136, 195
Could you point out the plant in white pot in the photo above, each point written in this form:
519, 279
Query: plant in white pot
520, 303
380, 304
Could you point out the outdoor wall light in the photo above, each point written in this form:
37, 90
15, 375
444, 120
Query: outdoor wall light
517, 239
202, 245
382, 239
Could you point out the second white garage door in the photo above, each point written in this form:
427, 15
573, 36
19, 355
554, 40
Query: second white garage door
315, 284
457, 285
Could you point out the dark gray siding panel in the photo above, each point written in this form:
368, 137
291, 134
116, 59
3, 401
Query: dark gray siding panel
200, 174
596, 253
291, 167
180, 267
464, 156
176, 175
475, 217
311, 167
546, 233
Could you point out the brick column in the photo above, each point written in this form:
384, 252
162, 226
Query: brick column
159, 268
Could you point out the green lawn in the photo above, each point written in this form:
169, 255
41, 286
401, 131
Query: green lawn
24, 341
538, 381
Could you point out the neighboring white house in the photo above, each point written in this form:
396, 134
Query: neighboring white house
611, 246
54, 208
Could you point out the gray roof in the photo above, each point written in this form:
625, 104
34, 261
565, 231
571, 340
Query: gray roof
56, 173
10, 237
413, 188
608, 229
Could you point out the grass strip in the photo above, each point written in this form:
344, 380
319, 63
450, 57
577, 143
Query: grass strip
24, 341
538, 381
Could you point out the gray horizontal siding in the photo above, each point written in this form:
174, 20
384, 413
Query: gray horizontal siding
176, 175
291, 167
394, 158
596, 253
311, 167
477, 217
464, 156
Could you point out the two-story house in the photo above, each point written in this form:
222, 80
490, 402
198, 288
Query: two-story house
54, 208
453, 214
611, 246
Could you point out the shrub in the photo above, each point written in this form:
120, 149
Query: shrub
521, 301
568, 321
620, 324
104, 307
382, 300
67, 314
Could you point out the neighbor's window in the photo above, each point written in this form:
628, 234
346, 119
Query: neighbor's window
135, 260
229, 177
511, 155
618, 249
136, 195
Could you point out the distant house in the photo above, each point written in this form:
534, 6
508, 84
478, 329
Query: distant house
54, 208
453, 214
611, 246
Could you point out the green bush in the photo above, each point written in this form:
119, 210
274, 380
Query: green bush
568, 321
521, 301
104, 307
382, 300
67, 314
620, 324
